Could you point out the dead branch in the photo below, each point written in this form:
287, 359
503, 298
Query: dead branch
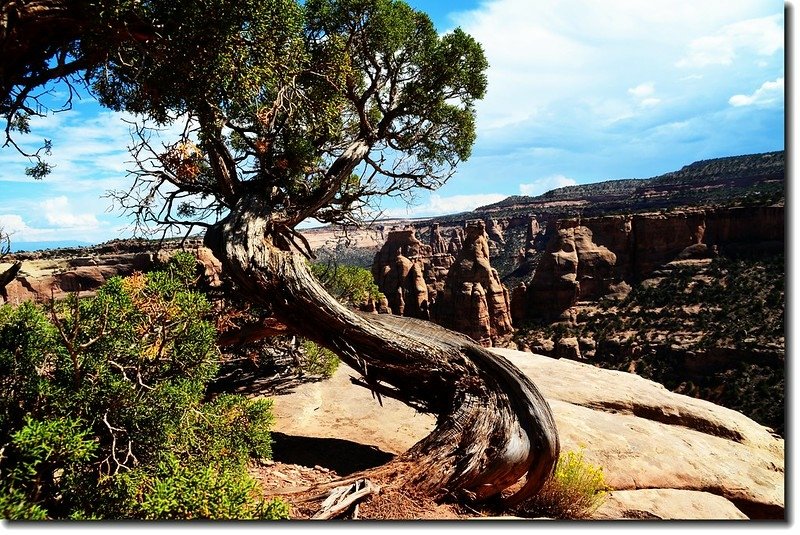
341, 499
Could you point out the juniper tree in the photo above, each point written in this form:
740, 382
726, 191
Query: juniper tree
297, 110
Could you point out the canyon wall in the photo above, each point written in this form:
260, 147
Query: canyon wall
49, 275
588, 258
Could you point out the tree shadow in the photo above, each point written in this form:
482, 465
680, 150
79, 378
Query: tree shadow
242, 377
342, 456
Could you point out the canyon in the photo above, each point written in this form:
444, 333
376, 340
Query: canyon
679, 279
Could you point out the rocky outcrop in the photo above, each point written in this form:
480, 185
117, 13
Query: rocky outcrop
592, 257
43, 276
555, 285
665, 456
494, 231
474, 301
437, 242
567, 348
453, 285
399, 272
517, 305
41, 280
456, 241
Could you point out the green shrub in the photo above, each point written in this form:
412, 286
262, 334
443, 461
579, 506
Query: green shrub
317, 360
574, 491
181, 490
104, 412
351, 285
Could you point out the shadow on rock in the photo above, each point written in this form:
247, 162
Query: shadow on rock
342, 456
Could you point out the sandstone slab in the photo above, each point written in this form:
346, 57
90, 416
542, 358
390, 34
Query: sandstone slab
705, 461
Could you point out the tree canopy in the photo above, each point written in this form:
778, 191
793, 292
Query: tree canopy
315, 107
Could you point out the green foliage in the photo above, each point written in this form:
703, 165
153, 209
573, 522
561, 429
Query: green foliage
39, 170
350, 284
180, 490
307, 91
317, 360
104, 412
574, 491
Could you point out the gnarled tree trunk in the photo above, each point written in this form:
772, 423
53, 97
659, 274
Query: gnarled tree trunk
8, 275
493, 427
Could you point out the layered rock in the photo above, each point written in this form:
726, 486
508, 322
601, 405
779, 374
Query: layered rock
664, 455
494, 231
43, 277
399, 272
437, 242
456, 241
474, 301
453, 284
42, 280
593, 257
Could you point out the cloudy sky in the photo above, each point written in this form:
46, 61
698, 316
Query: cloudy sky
579, 91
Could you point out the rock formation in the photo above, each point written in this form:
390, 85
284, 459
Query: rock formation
494, 231
399, 272
474, 301
437, 241
664, 455
453, 285
592, 257
456, 241
43, 276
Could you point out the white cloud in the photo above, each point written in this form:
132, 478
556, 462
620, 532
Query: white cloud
643, 90
650, 102
57, 211
27, 228
764, 36
443, 205
548, 59
644, 93
12, 224
768, 94
19, 230
543, 185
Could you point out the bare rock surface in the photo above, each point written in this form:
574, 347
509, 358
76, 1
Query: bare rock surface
43, 278
661, 504
665, 455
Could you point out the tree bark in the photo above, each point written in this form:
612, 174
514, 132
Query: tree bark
493, 426
9, 274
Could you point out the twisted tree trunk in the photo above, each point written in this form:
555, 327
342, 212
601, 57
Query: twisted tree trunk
8, 275
493, 426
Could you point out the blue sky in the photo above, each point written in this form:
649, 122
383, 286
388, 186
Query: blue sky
579, 91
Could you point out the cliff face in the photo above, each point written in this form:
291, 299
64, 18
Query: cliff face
54, 274
756, 178
451, 283
399, 271
474, 301
587, 258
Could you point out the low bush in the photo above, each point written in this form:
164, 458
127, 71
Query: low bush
574, 491
105, 413
351, 285
316, 360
